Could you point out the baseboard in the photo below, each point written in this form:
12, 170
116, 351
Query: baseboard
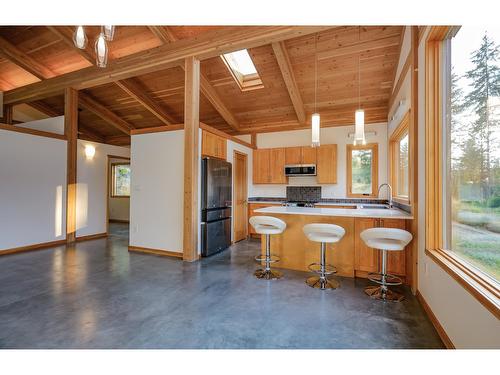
37, 246
119, 221
91, 237
147, 250
439, 328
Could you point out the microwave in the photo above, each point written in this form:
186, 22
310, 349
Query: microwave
297, 170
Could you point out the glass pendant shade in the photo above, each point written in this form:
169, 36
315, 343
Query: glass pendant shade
109, 32
79, 38
359, 129
315, 127
101, 51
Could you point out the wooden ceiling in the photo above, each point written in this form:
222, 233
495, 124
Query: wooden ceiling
155, 97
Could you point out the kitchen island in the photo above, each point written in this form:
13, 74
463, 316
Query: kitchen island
350, 256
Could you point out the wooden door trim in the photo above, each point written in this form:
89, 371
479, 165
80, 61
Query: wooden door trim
235, 152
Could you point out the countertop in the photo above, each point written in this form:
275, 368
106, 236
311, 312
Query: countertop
378, 213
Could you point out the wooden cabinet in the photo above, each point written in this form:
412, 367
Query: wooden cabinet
365, 258
326, 165
269, 166
300, 155
213, 145
251, 212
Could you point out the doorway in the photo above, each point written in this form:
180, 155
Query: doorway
240, 211
118, 196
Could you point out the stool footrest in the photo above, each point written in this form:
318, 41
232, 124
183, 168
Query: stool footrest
316, 268
262, 258
376, 277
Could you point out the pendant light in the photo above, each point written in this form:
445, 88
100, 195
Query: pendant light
359, 115
109, 32
315, 118
79, 38
101, 51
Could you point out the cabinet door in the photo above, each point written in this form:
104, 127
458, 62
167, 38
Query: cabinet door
208, 144
396, 260
326, 164
309, 155
260, 168
365, 258
277, 166
293, 155
221, 151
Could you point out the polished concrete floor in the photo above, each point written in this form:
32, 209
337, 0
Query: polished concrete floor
98, 295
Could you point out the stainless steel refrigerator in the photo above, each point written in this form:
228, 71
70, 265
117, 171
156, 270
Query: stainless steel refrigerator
216, 200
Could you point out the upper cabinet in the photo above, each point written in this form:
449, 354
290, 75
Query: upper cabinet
213, 145
269, 166
300, 155
326, 165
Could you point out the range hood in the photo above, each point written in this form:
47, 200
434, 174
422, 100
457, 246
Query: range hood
299, 170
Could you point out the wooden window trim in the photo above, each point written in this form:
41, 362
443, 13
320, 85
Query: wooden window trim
112, 185
349, 149
402, 129
483, 288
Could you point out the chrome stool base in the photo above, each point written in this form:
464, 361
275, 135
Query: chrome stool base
268, 274
378, 292
322, 283
377, 277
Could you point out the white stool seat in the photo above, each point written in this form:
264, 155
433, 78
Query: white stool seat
267, 225
326, 233
391, 239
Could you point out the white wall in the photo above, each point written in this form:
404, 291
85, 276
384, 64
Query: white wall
337, 135
231, 147
91, 193
119, 208
51, 125
32, 189
467, 323
156, 203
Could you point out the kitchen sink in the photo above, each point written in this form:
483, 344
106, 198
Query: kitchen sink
374, 206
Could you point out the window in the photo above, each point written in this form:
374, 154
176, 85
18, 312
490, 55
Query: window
473, 155
243, 70
120, 178
400, 161
362, 170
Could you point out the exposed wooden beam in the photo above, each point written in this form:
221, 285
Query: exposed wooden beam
89, 103
21, 59
163, 33
360, 47
191, 154
90, 134
136, 91
44, 108
401, 78
8, 114
207, 45
71, 133
206, 87
118, 140
66, 35
285, 65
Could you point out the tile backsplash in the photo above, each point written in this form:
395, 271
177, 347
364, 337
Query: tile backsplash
303, 193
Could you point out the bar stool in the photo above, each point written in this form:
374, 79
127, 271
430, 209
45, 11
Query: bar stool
323, 233
385, 239
267, 226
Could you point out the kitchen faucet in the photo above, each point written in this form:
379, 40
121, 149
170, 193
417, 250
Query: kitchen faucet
390, 193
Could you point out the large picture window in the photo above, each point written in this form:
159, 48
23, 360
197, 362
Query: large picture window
473, 152
399, 147
120, 180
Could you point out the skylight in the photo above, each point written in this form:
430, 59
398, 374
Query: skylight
243, 70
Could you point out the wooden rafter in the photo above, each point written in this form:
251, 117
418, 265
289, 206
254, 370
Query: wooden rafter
44, 108
89, 103
163, 33
65, 33
90, 134
26, 62
118, 140
136, 91
207, 45
285, 65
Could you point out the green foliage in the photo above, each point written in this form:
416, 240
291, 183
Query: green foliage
494, 202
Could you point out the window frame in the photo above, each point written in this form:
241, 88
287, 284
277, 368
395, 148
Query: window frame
374, 172
246, 82
480, 285
399, 133
112, 184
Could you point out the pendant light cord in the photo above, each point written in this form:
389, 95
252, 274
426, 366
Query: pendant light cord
315, 71
359, 71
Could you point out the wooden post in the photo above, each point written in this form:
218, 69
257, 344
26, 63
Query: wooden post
253, 139
71, 133
7, 114
191, 157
